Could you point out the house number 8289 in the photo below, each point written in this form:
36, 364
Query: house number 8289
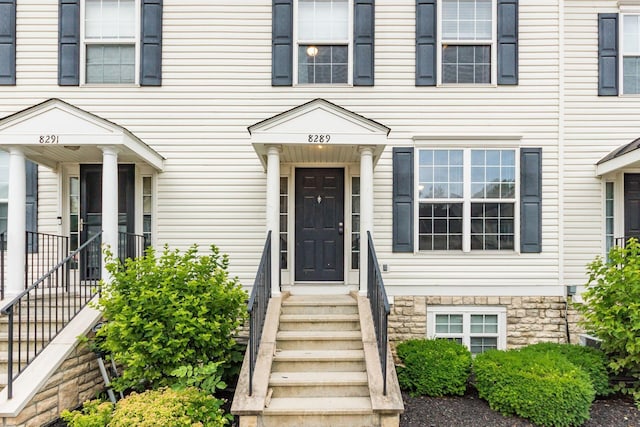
319, 138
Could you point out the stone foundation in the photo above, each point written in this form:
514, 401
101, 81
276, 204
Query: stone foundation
76, 380
529, 319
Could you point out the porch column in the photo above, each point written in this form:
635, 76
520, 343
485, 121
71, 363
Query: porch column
273, 214
16, 222
109, 203
366, 212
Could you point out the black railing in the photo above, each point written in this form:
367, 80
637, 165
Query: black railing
622, 241
3, 254
257, 307
379, 307
42, 251
46, 307
131, 246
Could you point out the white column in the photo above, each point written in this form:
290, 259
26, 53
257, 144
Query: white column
366, 211
273, 214
109, 203
16, 222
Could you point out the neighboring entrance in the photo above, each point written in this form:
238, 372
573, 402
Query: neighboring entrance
631, 205
319, 230
91, 209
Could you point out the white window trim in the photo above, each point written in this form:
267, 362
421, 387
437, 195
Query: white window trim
135, 41
493, 46
348, 42
466, 312
467, 200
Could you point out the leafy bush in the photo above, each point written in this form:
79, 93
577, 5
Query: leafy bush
611, 310
590, 360
169, 408
170, 311
94, 413
433, 367
543, 387
207, 378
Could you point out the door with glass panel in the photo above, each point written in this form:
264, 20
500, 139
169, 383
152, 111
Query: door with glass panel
86, 211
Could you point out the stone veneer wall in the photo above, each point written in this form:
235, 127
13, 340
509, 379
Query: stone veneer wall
529, 319
76, 380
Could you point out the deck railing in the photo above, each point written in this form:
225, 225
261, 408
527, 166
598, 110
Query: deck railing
42, 251
131, 245
257, 307
379, 307
41, 311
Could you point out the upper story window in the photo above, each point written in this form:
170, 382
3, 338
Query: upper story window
467, 199
467, 41
323, 42
110, 41
631, 54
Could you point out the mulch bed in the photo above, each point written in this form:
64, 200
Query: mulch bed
471, 411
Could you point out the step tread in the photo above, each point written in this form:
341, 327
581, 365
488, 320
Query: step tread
318, 335
317, 378
324, 300
313, 318
319, 355
319, 405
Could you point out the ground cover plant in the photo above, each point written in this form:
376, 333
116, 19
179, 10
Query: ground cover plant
611, 311
543, 387
433, 367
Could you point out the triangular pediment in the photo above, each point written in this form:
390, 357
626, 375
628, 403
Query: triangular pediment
318, 117
55, 131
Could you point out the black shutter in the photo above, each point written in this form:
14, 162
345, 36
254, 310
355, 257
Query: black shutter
607, 54
7, 42
507, 42
402, 199
69, 43
151, 43
426, 25
282, 43
363, 42
531, 200
32, 204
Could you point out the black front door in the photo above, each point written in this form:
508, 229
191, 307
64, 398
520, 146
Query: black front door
319, 225
91, 209
631, 205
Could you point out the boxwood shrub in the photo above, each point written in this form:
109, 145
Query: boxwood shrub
433, 367
591, 360
543, 387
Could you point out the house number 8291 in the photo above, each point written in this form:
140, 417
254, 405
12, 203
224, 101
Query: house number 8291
319, 138
49, 139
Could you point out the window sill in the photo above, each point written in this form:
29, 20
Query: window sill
467, 85
322, 85
110, 85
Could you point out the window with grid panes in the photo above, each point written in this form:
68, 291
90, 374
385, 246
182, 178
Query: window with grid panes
479, 329
147, 207
355, 222
110, 41
467, 40
631, 53
284, 206
323, 41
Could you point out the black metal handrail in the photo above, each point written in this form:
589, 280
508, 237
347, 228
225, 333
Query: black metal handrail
131, 245
379, 307
47, 306
42, 251
622, 241
3, 248
257, 307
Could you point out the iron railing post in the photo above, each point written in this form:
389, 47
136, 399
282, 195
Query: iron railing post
10, 356
379, 307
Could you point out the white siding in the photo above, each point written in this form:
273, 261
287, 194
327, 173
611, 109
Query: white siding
217, 81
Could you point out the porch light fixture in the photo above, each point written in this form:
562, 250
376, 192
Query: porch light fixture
72, 147
312, 51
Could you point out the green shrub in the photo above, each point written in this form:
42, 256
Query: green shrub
611, 311
207, 378
433, 367
591, 360
169, 408
543, 387
94, 413
169, 311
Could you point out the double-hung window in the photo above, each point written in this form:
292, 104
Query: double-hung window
467, 199
478, 328
467, 41
323, 41
631, 53
110, 41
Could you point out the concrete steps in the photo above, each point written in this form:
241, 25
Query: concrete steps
318, 374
